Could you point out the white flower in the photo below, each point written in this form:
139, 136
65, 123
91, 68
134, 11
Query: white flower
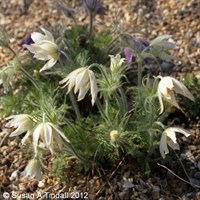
49, 133
160, 47
161, 41
33, 169
44, 48
167, 88
169, 138
23, 123
81, 79
116, 62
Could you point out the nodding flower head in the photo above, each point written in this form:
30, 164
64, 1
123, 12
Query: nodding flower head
169, 138
81, 80
33, 169
23, 123
49, 133
136, 46
167, 88
94, 7
160, 47
44, 48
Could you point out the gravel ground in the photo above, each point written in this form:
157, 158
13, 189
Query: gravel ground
127, 179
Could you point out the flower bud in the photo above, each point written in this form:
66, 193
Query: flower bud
114, 136
116, 62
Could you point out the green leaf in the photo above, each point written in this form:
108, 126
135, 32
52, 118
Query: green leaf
102, 40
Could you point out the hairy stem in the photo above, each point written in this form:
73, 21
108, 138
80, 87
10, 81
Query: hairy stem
139, 73
124, 100
75, 105
23, 70
119, 103
91, 24
100, 108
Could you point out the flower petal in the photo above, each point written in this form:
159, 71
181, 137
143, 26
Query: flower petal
38, 52
70, 80
81, 79
171, 134
22, 122
129, 55
48, 46
48, 35
181, 89
47, 135
167, 45
18, 131
82, 91
163, 146
37, 37
93, 86
166, 82
36, 134
25, 137
59, 132
48, 65
174, 146
181, 130
172, 100
158, 39
161, 102
58, 139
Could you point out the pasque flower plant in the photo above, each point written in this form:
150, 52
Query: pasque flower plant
97, 105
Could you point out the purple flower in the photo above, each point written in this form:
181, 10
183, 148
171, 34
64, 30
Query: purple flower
129, 54
94, 7
136, 46
139, 44
143, 41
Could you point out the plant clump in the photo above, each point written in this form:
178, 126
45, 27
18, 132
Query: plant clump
86, 95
